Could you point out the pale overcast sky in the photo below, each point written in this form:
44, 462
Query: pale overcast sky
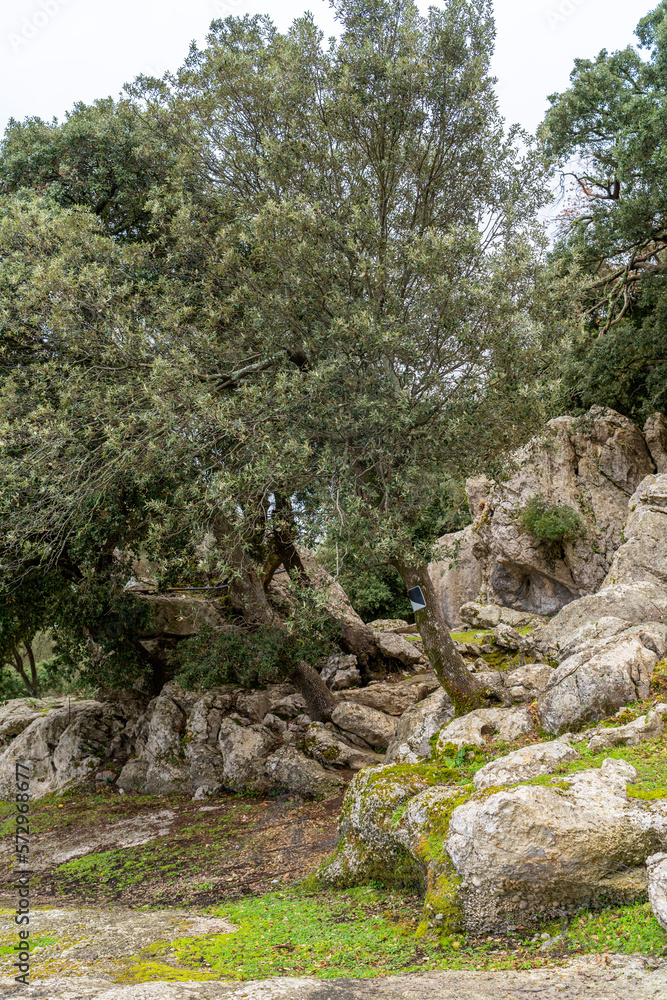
55, 52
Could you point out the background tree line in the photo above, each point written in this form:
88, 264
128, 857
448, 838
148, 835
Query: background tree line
289, 297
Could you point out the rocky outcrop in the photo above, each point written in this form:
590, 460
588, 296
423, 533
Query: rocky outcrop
593, 684
655, 432
646, 727
643, 555
65, 747
524, 764
590, 464
203, 742
656, 867
506, 724
532, 852
456, 574
609, 643
494, 862
411, 741
375, 728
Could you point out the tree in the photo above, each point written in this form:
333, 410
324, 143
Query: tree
607, 133
333, 323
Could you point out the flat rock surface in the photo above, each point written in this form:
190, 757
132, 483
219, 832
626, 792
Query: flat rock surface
599, 977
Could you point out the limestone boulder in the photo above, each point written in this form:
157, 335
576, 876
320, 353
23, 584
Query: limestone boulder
533, 852
416, 727
375, 728
643, 555
647, 727
341, 672
456, 574
508, 638
489, 616
17, 714
656, 866
595, 683
506, 724
395, 647
525, 684
632, 603
591, 464
244, 750
288, 768
393, 699
166, 727
524, 764
330, 749
655, 433
63, 748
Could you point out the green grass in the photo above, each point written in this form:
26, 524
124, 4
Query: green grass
628, 930
357, 933
37, 942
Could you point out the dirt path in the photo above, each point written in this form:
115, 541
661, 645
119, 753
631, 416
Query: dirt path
600, 978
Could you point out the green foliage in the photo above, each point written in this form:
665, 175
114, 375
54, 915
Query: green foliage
262, 655
607, 133
550, 522
376, 592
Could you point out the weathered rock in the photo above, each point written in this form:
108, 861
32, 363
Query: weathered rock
254, 704
397, 648
456, 574
331, 749
398, 625
374, 727
393, 699
630, 602
591, 464
591, 685
411, 740
656, 866
289, 706
655, 432
341, 672
132, 778
166, 727
17, 714
646, 727
525, 763
643, 554
166, 777
62, 748
292, 770
533, 852
244, 750
508, 638
505, 724
488, 616
525, 683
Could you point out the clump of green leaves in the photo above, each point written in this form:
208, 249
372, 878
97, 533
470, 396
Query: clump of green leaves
551, 523
265, 654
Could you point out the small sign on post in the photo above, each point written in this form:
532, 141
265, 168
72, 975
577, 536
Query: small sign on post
417, 601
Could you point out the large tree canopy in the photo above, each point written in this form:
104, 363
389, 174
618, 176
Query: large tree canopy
608, 132
332, 321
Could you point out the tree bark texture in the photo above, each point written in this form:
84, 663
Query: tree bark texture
320, 702
447, 662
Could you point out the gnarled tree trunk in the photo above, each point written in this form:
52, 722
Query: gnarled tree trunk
447, 662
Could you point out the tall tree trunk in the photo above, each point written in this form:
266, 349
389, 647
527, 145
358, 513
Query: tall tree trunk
30, 686
447, 662
320, 702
